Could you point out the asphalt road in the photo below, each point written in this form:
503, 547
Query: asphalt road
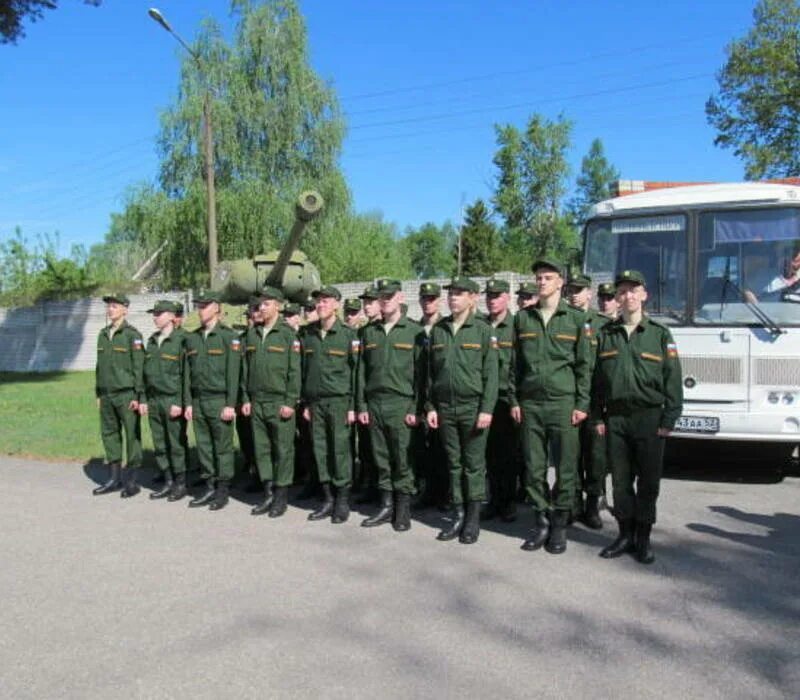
103, 598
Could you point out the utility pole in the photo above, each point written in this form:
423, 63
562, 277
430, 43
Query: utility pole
208, 148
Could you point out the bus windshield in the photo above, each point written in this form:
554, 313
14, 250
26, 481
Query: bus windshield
748, 257
654, 245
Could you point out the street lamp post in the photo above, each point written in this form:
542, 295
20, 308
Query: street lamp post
208, 149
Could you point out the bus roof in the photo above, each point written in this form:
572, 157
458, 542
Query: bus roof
697, 196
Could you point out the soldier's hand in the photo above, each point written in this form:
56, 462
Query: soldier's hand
663, 432
351, 417
516, 414
578, 417
142, 409
175, 411
247, 408
363, 417
228, 414
411, 420
134, 405
484, 421
286, 412
187, 413
307, 413
433, 420
600, 429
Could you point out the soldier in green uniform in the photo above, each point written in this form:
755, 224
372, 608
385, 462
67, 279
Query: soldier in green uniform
549, 396
305, 467
330, 358
462, 394
501, 447
213, 355
527, 294
291, 314
607, 300
270, 392
180, 332
591, 477
637, 396
388, 401
244, 422
352, 313
164, 366
119, 387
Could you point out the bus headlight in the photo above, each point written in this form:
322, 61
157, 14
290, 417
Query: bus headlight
773, 397
788, 399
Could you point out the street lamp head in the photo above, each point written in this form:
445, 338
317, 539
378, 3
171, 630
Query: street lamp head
158, 17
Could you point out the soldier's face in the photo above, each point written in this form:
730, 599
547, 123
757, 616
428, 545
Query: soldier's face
390, 303
429, 305
293, 320
116, 311
631, 297
550, 283
459, 301
372, 308
607, 305
497, 303
254, 314
311, 315
269, 310
207, 312
163, 319
579, 296
326, 307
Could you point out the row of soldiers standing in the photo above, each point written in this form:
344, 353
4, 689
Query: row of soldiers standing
569, 385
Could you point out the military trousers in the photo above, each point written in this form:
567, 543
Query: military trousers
273, 442
501, 452
591, 463
367, 476
392, 442
636, 456
115, 419
214, 437
549, 438
244, 431
465, 447
168, 433
330, 434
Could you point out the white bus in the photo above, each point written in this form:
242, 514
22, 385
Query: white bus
722, 264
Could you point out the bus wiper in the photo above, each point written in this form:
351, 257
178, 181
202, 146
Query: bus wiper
756, 310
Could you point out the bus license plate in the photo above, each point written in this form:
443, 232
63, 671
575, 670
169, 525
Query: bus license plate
697, 424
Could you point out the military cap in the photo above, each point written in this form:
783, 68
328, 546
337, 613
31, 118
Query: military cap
463, 284
369, 293
606, 289
291, 310
495, 286
580, 281
255, 300
272, 293
429, 289
387, 286
208, 297
352, 306
633, 276
327, 291
118, 298
178, 309
548, 264
163, 305
309, 304
528, 288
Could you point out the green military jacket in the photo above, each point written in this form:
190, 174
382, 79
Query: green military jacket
504, 332
462, 367
214, 363
271, 365
642, 371
390, 363
120, 359
164, 366
553, 361
593, 322
329, 364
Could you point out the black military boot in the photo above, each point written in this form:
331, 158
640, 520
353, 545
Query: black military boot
384, 515
341, 507
624, 542
206, 497
265, 505
326, 508
540, 532
557, 542
113, 482
591, 514
402, 513
131, 487
220, 496
454, 530
166, 489
178, 488
472, 524
489, 511
279, 502
644, 553
508, 511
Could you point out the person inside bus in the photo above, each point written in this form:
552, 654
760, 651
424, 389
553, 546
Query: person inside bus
784, 286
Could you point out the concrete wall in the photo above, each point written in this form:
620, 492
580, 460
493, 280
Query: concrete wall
62, 335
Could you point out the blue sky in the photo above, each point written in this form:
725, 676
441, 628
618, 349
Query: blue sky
421, 83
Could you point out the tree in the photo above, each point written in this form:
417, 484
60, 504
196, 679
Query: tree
480, 242
594, 184
755, 111
429, 249
14, 12
531, 184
